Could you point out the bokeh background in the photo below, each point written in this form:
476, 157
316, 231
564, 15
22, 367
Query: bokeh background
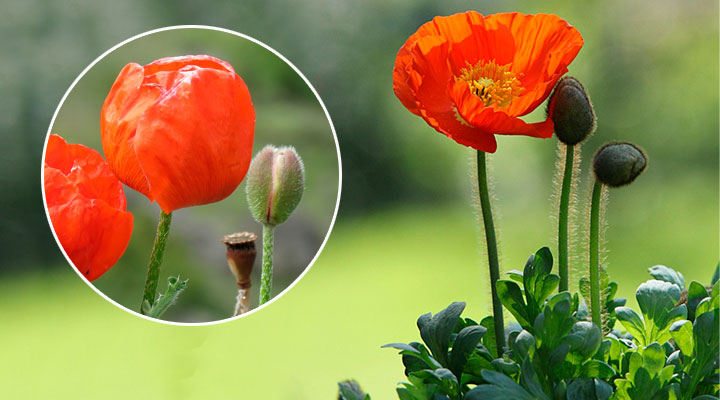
287, 113
406, 237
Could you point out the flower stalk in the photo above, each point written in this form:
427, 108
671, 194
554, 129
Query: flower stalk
564, 216
267, 263
595, 307
491, 241
156, 257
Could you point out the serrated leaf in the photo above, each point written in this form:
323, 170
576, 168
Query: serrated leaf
667, 274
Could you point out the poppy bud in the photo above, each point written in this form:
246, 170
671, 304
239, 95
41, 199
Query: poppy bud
571, 111
86, 205
618, 164
275, 184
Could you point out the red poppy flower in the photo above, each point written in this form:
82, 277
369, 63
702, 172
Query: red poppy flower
179, 130
86, 205
470, 77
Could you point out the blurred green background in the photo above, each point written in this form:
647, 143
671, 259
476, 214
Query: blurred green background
405, 241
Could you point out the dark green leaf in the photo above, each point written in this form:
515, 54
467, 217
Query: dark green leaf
584, 339
530, 380
588, 389
506, 367
488, 339
401, 346
524, 345
596, 369
499, 387
464, 345
696, 292
436, 330
667, 274
715, 274
632, 323
350, 390
511, 297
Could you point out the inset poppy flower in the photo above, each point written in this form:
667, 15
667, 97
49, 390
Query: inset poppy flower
470, 77
179, 130
86, 204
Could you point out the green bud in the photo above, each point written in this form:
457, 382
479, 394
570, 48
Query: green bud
275, 184
571, 111
618, 164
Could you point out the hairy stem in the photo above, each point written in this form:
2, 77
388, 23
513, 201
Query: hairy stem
595, 307
563, 218
267, 263
491, 250
156, 257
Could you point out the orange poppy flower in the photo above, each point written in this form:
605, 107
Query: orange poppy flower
86, 204
179, 130
470, 77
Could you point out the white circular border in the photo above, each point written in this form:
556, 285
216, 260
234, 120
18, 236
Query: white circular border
213, 28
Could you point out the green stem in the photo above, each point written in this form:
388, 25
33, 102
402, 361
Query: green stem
595, 307
491, 250
156, 257
563, 218
267, 263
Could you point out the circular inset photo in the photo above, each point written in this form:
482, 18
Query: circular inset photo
191, 175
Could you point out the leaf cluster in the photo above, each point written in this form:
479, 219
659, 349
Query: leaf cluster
669, 350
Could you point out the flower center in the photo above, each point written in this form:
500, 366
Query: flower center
492, 83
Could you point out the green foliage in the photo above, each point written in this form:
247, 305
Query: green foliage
164, 301
558, 354
350, 390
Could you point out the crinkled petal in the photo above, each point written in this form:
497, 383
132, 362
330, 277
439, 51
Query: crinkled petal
127, 101
195, 143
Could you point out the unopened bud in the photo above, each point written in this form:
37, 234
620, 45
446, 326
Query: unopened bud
618, 164
275, 184
571, 111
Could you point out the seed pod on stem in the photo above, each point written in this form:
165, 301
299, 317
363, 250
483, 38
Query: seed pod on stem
240, 255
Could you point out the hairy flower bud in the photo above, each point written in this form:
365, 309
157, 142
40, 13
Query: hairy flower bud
571, 111
275, 184
618, 164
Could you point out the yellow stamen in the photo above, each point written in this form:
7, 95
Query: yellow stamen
492, 83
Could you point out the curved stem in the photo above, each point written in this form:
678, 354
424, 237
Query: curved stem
267, 263
491, 250
156, 257
563, 218
595, 307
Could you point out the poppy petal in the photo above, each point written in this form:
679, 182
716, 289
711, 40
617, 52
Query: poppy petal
127, 101
86, 205
195, 143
